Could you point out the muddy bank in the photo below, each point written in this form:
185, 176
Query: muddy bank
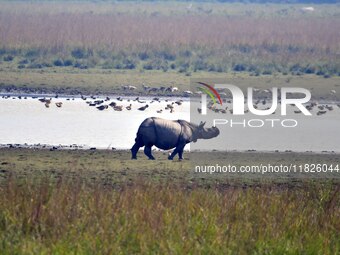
115, 168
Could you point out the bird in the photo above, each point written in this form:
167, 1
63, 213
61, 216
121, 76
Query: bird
118, 108
320, 112
128, 107
113, 104
44, 100
329, 107
102, 107
98, 102
143, 108
160, 111
59, 104
169, 106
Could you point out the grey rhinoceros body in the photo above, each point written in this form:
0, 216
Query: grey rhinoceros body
169, 134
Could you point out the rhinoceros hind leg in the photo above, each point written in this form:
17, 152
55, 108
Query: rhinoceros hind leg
135, 149
147, 152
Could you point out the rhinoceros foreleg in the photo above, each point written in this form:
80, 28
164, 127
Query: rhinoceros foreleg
147, 152
180, 154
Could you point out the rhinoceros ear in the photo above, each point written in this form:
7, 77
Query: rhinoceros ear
202, 124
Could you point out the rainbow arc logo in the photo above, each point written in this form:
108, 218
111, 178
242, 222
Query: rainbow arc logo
209, 90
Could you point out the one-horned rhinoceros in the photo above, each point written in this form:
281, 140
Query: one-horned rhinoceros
169, 134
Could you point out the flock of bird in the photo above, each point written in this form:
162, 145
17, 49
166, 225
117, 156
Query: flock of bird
321, 108
142, 105
115, 104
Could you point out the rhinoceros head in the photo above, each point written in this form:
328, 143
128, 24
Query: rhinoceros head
206, 133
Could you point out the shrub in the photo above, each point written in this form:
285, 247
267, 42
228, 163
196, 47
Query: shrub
309, 70
320, 72
35, 66
80, 65
239, 68
23, 62
295, 68
8, 58
185, 53
166, 55
32, 53
143, 56
156, 64
199, 65
267, 72
58, 62
129, 64
68, 62
79, 53
148, 66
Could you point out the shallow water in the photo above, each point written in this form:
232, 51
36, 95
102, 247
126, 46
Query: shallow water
29, 121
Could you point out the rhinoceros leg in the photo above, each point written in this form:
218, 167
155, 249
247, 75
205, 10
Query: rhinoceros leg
134, 150
180, 154
135, 147
147, 152
179, 149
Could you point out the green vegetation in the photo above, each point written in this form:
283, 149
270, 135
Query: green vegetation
260, 40
99, 202
73, 218
68, 81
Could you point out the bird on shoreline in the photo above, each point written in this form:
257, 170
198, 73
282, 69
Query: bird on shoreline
320, 112
102, 107
118, 108
143, 108
58, 104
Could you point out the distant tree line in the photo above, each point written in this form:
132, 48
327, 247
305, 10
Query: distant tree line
206, 1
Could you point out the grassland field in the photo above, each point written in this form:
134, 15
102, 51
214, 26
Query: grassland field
62, 202
101, 202
89, 47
